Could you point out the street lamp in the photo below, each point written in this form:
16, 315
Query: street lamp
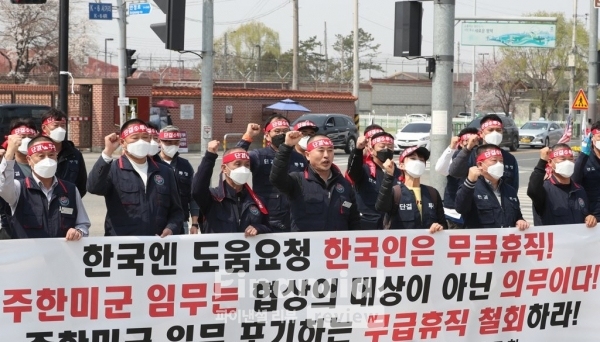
483, 57
106, 40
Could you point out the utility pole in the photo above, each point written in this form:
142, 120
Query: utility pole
326, 57
122, 58
355, 66
442, 85
206, 115
458, 62
258, 64
225, 71
593, 64
473, 85
106, 40
296, 49
572, 63
63, 60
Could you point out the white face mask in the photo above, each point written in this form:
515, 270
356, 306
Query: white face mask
154, 148
496, 170
303, 143
139, 149
170, 150
565, 168
597, 144
241, 175
23, 147
58, 134
45, 168
414, 168
493, 138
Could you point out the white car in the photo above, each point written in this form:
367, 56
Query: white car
413, 134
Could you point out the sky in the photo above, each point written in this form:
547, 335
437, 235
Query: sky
375, 17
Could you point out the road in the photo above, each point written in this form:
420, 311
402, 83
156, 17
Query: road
96, 208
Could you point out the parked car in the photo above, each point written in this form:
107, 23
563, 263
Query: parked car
413, 134
338, 127
510, 131
9, 112
540, 134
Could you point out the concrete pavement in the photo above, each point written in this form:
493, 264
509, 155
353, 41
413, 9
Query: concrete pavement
96, 207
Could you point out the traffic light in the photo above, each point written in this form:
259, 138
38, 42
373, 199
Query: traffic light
172, 33
130, 62
407, 29
28, 2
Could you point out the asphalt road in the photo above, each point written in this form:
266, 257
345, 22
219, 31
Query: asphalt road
96, 208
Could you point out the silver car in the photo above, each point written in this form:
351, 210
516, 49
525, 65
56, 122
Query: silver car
540, 134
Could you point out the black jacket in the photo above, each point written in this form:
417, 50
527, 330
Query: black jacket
315, 205
465, 159
480, 208
224, 210
400, 206
587, 174
131, 208
71, 167
184, 174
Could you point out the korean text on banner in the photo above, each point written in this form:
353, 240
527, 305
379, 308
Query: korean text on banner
462, 285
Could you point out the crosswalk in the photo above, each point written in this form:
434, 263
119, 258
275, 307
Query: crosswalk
526, 206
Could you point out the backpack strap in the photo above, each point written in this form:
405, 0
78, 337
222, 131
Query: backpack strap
387, 218
433, 194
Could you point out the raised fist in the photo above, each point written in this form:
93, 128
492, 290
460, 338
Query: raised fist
389, 167
361, 143
454, 143
253, 129
292, 138
474, 173
213, 146
111, 143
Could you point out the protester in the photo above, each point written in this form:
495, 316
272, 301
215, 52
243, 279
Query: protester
443, 165
232, 206
25, 128
42, 205
410, 205
141, 195
484, 200
587, 169
490, 133
320, 198
308, 129
367, 177
71, 166
154, 141
261, 162
557, 199
169, 138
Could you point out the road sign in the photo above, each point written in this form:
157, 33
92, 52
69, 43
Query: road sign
208, 132
143, 8
123, 101
100, 11
581, 101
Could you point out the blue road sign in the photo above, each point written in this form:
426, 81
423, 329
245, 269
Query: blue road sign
100, 11
143, 8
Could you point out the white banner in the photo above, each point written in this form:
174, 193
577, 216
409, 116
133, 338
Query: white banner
459, 285
537, 35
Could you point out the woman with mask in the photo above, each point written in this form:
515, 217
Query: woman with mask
367, 175
42, 205
231, 207
557, 199
71, 166
141, 195
484, 200
490, 132
169, 138
410, 205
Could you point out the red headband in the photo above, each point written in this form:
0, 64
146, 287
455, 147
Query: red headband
595, 131
489, 154
383, 139
372, 132
406, 153
467, 136
491, 123
169, 136
235, 156
23, 130
304, 124
51, 120
151, 131
563, 152
41, 147
325, 142
277, 124
133, 129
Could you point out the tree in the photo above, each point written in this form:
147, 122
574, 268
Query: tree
30, 38
344, 46
312, 65
242, 45
498, 85
545, 70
